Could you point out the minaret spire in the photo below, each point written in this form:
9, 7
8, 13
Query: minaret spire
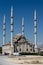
22, 25
4, 30
12, 24
35, 29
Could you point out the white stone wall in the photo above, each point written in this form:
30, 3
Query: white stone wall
6, 49
24, 48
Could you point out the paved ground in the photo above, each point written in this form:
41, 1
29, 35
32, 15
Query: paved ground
4, 60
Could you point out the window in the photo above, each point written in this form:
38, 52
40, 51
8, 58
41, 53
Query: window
20, 49
26, 49
30, 49
30, 45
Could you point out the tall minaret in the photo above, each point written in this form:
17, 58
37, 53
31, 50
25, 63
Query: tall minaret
4, 30
35, 30
22, 25
12, 26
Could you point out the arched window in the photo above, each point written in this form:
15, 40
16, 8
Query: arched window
20, 49
26, 49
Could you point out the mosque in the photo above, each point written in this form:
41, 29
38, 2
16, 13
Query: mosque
19, 43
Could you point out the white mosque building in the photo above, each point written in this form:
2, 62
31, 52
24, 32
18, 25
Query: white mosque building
19, 43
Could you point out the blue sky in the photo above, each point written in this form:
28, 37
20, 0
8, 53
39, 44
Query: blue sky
22, 8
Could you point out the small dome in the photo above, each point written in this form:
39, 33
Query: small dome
19, 34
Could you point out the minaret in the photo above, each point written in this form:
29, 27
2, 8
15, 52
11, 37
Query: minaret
35, 31
12, 27
22, 25
4, 30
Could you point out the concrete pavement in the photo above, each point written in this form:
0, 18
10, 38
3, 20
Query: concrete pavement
4, 61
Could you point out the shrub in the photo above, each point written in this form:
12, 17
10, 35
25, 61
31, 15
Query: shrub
24, 53
0, 49
41, 53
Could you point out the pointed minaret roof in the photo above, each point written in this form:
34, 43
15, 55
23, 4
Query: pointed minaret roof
22, 25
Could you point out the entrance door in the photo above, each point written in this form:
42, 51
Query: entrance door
15, 48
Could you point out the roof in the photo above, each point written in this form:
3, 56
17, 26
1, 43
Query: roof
19, 38
6, 44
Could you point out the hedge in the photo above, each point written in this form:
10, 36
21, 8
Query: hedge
0, 49
24, 53
41, 53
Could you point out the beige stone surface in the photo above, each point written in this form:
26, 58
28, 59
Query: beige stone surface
20, 44
27, 59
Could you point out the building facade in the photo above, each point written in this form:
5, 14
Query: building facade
20, 44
